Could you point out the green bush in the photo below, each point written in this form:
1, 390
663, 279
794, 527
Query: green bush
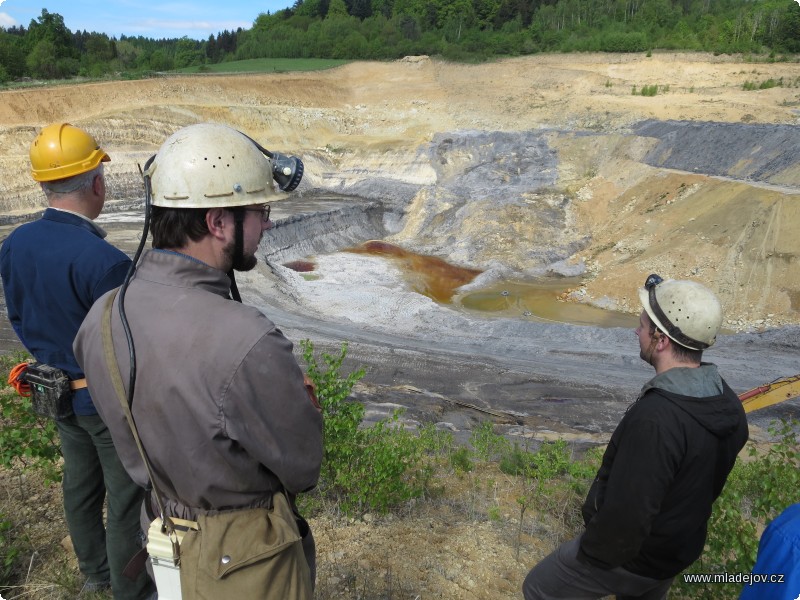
26, 439
764, 85
363, 468
8, 552
550, 461
486, 444
387, 470
461, 460
435, 441
552, 482
516, 461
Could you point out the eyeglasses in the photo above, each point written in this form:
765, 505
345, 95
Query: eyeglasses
264, 210
652, 281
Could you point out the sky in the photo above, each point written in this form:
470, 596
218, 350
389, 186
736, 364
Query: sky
196, 19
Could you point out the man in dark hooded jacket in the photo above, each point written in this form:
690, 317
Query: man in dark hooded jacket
647, 511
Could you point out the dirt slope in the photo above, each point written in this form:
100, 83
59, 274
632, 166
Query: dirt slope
408, 100
377, 115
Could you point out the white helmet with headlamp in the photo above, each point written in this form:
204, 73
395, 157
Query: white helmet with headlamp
688, 313
210, 165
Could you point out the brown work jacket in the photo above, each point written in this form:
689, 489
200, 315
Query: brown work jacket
219, 402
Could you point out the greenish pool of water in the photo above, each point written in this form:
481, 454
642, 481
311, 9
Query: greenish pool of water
535, 300
539, 300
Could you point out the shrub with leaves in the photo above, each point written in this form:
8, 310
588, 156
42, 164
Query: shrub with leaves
553, 482
486, 444
385, 470
435, 441
27, 441
8, 552
461, 460
363, 469
341, 417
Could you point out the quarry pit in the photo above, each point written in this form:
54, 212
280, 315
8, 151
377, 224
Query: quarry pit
538, 169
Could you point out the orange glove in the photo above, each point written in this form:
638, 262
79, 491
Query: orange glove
15, 380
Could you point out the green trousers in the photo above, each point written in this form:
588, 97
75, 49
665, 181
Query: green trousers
93, 474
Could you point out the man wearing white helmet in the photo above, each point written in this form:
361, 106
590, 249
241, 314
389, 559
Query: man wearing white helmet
219, 400
647, 511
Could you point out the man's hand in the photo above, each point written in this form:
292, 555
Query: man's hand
311, 388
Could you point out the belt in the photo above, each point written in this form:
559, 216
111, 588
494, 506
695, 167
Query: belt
77, 384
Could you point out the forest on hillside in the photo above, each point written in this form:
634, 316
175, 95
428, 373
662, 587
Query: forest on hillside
461, 30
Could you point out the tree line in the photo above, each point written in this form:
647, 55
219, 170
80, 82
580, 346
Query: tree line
466, 30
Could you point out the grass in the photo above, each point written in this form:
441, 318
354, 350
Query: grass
267, 65
649, 90
767, 84
254, 65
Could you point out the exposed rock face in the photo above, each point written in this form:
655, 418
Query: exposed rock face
304, 235
535, 165
493, 202
758, 152
520, 204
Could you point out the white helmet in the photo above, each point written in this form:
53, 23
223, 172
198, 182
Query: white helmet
210, 165
689, 313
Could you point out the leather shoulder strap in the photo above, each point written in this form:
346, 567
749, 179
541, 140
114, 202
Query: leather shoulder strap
116, 379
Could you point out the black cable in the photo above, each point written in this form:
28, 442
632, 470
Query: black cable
235, 295
259, 146
128, 276
238, 249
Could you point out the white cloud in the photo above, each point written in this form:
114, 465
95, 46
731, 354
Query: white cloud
8, 21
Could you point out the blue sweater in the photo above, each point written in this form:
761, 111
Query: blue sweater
778, 560
53, 270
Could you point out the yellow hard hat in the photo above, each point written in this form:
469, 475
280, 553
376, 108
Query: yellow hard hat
62, 150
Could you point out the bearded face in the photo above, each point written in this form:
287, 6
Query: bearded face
245, 262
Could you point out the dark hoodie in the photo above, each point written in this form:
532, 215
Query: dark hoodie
667, 461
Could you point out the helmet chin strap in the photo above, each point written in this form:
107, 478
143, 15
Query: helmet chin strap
238, 251
234, 289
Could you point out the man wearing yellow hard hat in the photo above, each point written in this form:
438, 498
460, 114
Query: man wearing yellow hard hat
53, 269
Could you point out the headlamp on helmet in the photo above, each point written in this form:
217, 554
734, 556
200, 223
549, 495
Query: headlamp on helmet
688, 313
211, 165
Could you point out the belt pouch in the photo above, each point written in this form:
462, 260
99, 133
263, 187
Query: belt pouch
51, 396
249, 553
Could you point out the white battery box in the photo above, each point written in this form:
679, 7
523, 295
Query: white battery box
167, 575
